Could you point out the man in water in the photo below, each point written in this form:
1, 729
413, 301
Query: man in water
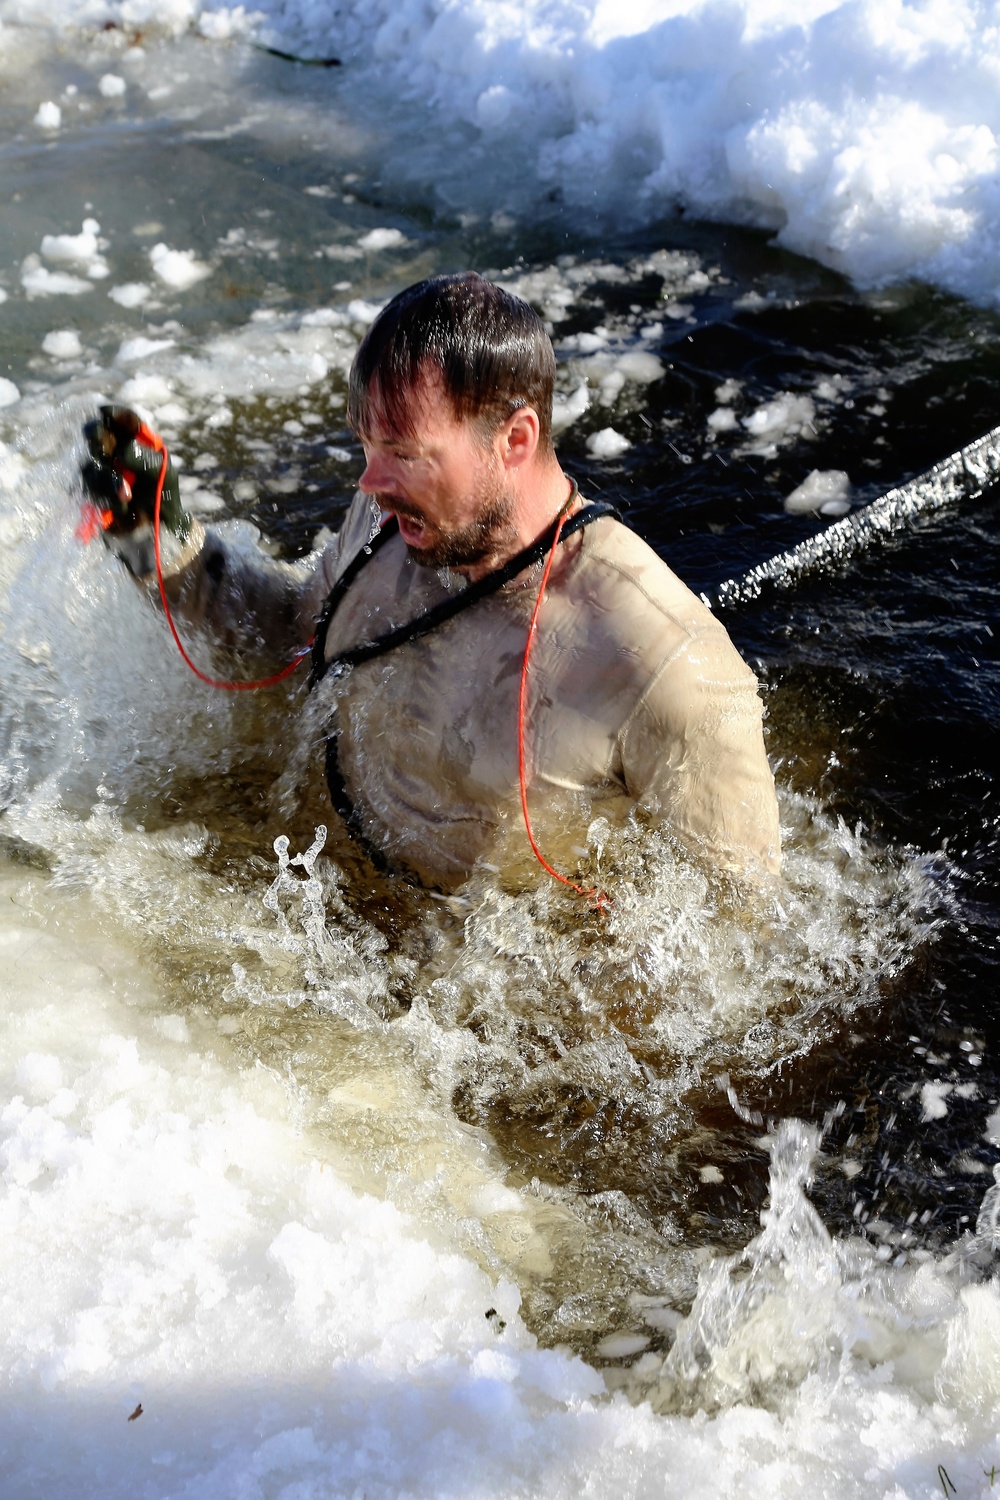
421, 606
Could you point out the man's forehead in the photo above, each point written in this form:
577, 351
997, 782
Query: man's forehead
403, 413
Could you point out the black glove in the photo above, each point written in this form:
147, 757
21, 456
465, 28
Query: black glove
121, 478
123, 471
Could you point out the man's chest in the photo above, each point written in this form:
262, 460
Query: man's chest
439, 716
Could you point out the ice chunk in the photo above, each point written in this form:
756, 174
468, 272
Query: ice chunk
130, 293
111, 86
640, 367
622, 1345
932, 1097
382, 239
73, 249
779, 421
825, 490
62, 343
48, 116
9, 392
566, 409
722, 419
178, 268
607, 443
494, 106
39, 281
141, 348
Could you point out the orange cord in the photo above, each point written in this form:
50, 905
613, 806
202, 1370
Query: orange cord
591, 893
145, 435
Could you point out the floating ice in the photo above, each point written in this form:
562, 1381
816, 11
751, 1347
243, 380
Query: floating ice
722, 419
382, 239
201, 501
130, 293
111, 86
39, 281
825, 490
141, 348
151, 391
178, 268
62, 343
48, 116
81, 251
73, 249
932, 1100
567, 409
9, 392
607, 443
779, 421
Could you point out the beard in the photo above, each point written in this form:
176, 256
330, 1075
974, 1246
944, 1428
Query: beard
489, 532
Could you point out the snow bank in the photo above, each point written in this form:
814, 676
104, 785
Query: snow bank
864, 131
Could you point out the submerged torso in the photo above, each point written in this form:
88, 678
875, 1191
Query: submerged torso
428, 734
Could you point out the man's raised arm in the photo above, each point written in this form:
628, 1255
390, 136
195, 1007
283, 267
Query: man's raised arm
223, 582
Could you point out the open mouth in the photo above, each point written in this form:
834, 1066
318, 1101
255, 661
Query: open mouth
413, 531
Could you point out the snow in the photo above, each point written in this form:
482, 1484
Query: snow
863, 132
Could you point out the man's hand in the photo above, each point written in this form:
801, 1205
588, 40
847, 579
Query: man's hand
121, 478
123, 471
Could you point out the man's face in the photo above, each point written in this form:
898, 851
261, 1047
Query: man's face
447, 488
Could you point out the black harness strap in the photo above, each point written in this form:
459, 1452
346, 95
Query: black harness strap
439, 614
421, 626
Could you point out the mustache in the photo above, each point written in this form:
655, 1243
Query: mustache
389, 502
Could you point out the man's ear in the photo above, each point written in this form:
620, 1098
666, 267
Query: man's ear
519, 437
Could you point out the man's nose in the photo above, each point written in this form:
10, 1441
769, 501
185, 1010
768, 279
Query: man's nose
377, 478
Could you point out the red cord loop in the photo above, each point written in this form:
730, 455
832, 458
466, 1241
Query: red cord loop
145, 435
591, 893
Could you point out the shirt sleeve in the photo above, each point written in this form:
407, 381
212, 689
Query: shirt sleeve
693, 753
228, 585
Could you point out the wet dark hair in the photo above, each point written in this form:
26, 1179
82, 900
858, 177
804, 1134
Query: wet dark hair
490, 348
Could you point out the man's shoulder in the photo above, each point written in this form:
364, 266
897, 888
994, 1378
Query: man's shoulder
629, 577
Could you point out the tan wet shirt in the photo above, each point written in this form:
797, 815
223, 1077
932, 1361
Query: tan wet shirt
636, 695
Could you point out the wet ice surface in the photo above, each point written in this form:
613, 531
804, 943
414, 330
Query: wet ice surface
282, 1136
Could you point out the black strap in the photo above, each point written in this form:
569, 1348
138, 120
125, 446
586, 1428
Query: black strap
424, 623
439, 614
